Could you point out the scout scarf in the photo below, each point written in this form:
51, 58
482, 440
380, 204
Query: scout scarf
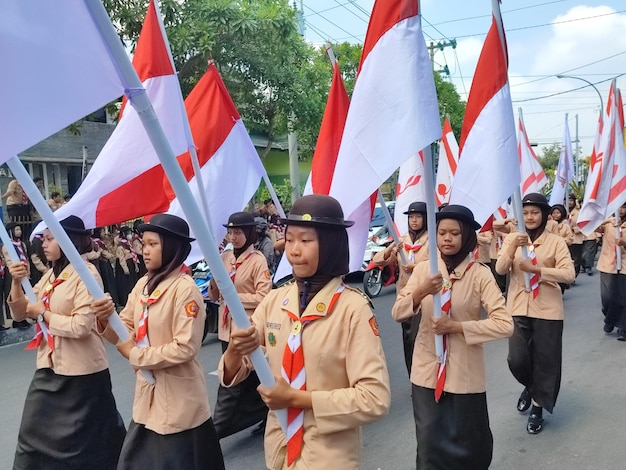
20, 249
232, 275
294, 373
126, 244
446, 294
41, 331
534, 278
412, 249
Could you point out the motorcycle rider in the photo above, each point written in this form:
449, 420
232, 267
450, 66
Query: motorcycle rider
413, 244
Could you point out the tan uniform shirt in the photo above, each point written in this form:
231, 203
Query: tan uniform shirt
556, 264
472, 288
345, 370
78, 349
484, 246
565, 232
573, 220
178, 400
252, 283
14, 193
606, 260
500, 230
395, 260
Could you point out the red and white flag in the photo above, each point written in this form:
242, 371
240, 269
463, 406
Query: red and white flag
55, 70
394, 112
533, 176
448, 161
606, 183
565, 169
488, 144
410, 188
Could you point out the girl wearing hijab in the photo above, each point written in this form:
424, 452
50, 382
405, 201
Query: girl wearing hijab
15, 232
322, 344
563, 229
240, 407
69, 406
535, 349
413, 244
171, 428
450, 401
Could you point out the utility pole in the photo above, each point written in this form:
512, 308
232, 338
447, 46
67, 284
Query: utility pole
292, 137
578, 171
441, 45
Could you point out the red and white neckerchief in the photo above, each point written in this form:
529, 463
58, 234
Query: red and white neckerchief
446, 303
99, 242
20, 249
534, 277
41, 330
126, 244
293, 371
411, 249
1, 267
232, 275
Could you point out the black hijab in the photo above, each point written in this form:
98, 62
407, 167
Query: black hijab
174, 252
251, 238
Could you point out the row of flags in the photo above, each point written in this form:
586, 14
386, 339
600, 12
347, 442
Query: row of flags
392, 118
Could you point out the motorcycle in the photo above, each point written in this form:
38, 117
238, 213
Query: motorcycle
201, 274
377, 277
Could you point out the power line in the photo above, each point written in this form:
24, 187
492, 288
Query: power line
334, 24
353, 13
566, 91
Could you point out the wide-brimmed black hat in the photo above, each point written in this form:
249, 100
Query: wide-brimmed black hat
536, 199
74, 224
240, 219
317, 210
167, 224
460, 213
416, 208
12, 225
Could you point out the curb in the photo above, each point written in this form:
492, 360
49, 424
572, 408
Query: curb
15, 335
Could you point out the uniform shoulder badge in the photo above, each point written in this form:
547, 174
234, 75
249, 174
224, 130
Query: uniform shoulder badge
374, 325
191, 309
362, 294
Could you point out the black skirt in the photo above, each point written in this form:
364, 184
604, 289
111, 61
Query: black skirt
69, 422
194, 449
454, 433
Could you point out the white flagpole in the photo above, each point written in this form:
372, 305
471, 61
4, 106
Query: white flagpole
140, 101
273, 195
391, 225
8, 244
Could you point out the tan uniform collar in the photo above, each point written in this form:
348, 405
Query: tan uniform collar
318, 304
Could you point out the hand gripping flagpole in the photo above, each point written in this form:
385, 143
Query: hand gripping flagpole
77, 262
391, 225
518, 210
139, 100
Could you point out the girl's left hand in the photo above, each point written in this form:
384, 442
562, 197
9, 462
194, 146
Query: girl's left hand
124, 347
277, 397
445, 325
527, 266
33, 310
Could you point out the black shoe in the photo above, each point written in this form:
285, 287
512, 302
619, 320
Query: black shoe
608, 328
590, 272
535, 424
4, 328
259, 430
621, 335
22, 325
524, 401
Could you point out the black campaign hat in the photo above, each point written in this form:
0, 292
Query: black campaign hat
74, 224
167, 224
416, 208
460, 213
317, 210
240, 219
536, 199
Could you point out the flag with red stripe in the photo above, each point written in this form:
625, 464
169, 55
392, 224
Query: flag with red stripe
448, 161
533, 176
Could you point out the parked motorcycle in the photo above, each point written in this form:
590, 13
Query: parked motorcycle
202, 276
377, 277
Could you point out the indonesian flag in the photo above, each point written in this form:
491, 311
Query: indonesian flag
488, 170
55, 70
533, 176
606, 183
410, 188
448, 161
565, 169
394, 112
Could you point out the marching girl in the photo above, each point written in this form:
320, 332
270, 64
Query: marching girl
414, 245
240, 407
69, 407
612, 277
563, 229
576, 248
535, 349
322, 344
15, 232
451, 419
171, 428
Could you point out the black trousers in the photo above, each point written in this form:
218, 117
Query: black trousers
613, 296
535, 357
576, 252
590, 247
410, 328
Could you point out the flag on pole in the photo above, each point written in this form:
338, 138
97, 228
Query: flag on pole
394, 112
606, 183
448, 161
533, 176
410, 188
61, 39
565, 169
488, 144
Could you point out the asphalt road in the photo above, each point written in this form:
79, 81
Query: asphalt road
586, 431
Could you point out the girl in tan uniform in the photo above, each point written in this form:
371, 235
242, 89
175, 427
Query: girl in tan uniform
171, 427
240, 407
69, 407
322, 344
535, 349
414, 245
451, 419
563, 229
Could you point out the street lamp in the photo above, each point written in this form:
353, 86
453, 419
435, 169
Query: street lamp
590, 84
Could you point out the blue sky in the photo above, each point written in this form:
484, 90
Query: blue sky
545, 38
